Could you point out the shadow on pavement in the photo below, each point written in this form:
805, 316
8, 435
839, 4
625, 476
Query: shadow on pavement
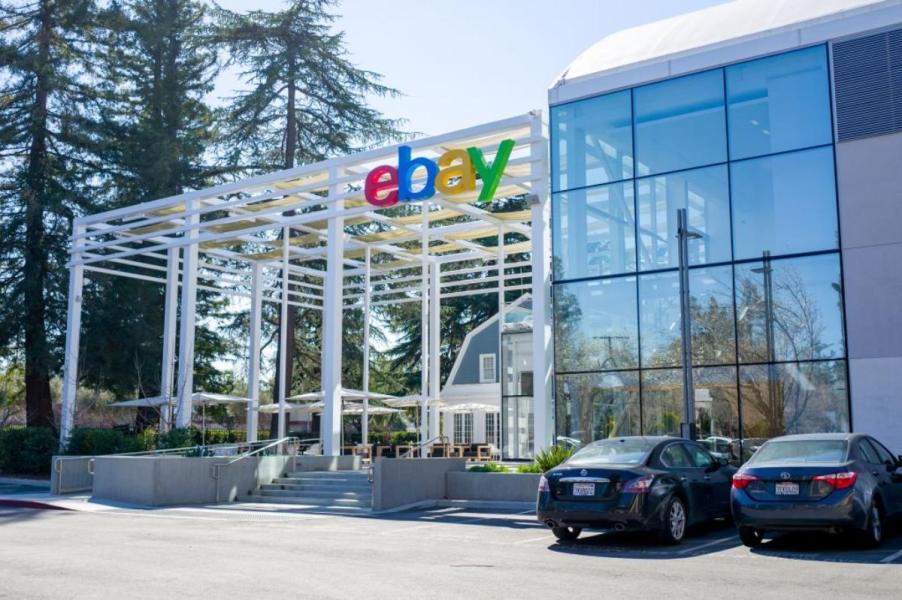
824, 547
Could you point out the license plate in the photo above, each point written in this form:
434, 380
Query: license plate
583, 489
787, 489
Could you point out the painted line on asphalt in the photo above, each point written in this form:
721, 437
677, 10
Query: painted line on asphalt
546, 538
892, 557
702, 546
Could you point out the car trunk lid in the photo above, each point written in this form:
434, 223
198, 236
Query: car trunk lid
791, 483
589, 483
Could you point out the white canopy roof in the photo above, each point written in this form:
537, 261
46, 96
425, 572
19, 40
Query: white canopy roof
198, 398
703, 29
346, 393
151, 402
413, 401
471, 407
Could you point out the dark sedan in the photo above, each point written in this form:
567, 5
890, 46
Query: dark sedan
659, 484
818, 482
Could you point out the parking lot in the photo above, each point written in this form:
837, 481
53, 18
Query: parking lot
439, 553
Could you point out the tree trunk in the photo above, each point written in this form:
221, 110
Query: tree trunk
38, 404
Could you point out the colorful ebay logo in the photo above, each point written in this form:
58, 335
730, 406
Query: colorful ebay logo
454, 172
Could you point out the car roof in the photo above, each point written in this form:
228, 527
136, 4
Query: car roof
815, 437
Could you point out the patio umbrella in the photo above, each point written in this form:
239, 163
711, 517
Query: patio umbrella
346, 394
205, 398
372, 410
470, 407
274, 407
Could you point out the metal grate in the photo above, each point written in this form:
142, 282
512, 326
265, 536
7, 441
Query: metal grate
867, 75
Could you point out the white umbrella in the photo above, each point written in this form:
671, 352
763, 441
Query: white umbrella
413, 401
471, 407
201, 398
372, 410
346, 394
274, 407
152, 402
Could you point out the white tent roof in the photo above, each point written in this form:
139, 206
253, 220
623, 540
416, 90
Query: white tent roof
274, 407
704, 29
152, 402
470, 407
198, 398
413, 401
346, 393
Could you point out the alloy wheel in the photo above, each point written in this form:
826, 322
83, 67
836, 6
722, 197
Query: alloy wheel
876, 525
677, 520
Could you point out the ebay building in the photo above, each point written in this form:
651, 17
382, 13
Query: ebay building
701, 236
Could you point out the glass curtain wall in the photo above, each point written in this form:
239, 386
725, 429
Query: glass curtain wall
747, 151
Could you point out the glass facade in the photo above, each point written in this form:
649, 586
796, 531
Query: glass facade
747, 151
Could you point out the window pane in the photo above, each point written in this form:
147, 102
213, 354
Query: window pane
595, 325
517, 364
680, 123
594, 406
592, 141
779, 103
659, 319
785, 204
789, 309
711, 302
717, 410
705, 195
662, 401
807, 397
594, 232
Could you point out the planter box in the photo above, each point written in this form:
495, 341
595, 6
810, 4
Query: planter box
510, 487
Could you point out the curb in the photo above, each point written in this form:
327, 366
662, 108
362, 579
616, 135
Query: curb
12, 503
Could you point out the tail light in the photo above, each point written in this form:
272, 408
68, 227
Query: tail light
838, 481
742, 480
640, 485
543, 484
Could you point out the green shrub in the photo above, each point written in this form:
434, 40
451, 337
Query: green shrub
404, 437
489, 468
183, 437
28, 450
547, 459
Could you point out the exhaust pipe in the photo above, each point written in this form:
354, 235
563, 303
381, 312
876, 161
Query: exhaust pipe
619, 527
549, 523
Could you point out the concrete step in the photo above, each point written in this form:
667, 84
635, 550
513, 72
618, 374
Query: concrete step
324, 483
348, 476
294, 498
318, 493
343, 508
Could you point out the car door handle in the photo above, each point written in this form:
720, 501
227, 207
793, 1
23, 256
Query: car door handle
707, 478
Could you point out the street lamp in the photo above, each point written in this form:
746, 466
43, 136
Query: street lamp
687, 427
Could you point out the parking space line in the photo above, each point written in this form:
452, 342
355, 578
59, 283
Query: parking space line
892, 557
530, 540
708, 545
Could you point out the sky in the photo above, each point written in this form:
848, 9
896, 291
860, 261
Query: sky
460, 63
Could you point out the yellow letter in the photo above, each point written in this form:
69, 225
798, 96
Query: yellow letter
462, 175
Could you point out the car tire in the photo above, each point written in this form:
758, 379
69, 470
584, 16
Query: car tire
566, 534
675, 521
750, 536
874, 531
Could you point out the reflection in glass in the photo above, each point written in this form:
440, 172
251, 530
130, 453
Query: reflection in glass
595, 406
711, 309
705, 195
806, 397
662, 401
517, 427
659, 319
717, 410
789, 309
595, 325
517, 364
785, 204
680, 123
593, 141
593, 232
779, 103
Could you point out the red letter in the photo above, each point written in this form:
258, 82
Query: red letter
376, 183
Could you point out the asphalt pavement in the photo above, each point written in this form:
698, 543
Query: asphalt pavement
455, 552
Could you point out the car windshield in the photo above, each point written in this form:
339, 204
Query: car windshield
800, 451
618, 451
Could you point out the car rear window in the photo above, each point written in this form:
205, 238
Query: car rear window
800, 451
617, 451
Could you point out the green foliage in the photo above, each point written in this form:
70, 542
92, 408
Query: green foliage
489, 468
547, 459
27, 451
404, 437
90, 441
178, 438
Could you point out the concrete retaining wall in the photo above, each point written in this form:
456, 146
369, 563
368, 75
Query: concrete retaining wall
326, 463
401, 481
510, 487
167, 481
69, 474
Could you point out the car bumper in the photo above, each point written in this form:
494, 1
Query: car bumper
834, 513
629, 511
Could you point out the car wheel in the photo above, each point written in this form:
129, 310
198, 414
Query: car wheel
750, 536
566, 534
675, 522
873, 535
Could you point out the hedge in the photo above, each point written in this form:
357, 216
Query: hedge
27, 450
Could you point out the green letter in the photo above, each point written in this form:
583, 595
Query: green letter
490, 174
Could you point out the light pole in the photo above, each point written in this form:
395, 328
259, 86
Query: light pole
687, 427
766, 269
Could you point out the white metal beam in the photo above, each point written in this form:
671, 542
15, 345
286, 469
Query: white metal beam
73, 339
253, 352
186, 336
330, 425
170, 324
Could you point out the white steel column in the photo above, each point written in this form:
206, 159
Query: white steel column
170, 323
365, 423
186, 329
253, 351
330, 425
283, 335
424, 327
499, 358
543, 400
435, 342
73, 338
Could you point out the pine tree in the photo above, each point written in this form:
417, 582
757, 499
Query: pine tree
44, 121
305, 102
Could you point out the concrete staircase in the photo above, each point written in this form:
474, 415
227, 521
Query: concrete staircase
347, 491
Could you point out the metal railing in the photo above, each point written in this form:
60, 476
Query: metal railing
418, 448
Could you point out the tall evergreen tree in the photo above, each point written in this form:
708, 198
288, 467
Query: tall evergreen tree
44, 114
305, 102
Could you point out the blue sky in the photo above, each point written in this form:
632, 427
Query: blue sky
464, 62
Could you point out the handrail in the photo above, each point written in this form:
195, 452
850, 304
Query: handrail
419, 447
196, 448
216, 469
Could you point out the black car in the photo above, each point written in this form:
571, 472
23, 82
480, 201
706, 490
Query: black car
660, 484
817, 482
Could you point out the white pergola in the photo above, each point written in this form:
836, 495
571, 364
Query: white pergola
342, 253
